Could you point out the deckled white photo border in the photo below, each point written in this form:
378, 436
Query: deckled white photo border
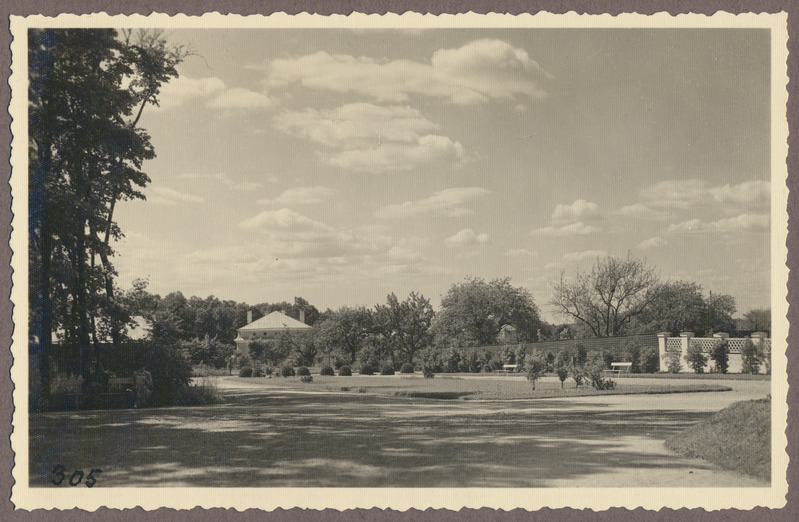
25, 497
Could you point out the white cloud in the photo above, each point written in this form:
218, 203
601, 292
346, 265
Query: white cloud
747, 192
576, 257
285, 219
574, 229
641, 211
475, 73
448, 201
692, 192
692, 225
372, 138
168, 196
652, 242
580, 210
520, 252
299, 196
743, 222
181, 89
238, 98
466, 237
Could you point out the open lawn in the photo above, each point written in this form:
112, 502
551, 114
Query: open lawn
266, 435
471, 387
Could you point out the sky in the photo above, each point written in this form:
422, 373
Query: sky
343, 165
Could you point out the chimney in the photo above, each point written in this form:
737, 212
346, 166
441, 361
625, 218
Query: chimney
249, 316
302, 316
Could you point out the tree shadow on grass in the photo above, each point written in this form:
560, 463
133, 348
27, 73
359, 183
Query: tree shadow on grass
348, 440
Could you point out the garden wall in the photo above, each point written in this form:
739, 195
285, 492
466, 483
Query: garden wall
614, 345
679, 345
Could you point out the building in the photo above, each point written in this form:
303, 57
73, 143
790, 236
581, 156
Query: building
267, 328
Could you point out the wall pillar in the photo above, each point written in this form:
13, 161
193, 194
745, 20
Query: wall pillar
685, 342
662, 336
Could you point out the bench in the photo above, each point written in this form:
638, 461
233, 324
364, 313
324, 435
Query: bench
508, 368
117, 387
617, 368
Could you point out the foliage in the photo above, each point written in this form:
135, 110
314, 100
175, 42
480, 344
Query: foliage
345, 371
208, 351
673, 362
406, 368
608, 298
404, 326
562, 361
680, 306
474, 312
327, 370
428, 372
287, 371
750, 357
257, 372
245, 372
268, 370
720, 354
345, 331
758, 320
535, 367
696, 358
306, 378
365, 370
649, 360
387, 369
170, 370
594, 372
582, 355
302, 370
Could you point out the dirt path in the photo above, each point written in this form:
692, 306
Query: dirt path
268, 437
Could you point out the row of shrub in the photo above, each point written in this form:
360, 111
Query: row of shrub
752, 357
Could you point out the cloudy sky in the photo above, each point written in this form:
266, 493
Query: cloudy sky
342, 165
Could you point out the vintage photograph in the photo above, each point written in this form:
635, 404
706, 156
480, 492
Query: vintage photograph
360, 255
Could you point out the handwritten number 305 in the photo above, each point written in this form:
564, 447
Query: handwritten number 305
76, 478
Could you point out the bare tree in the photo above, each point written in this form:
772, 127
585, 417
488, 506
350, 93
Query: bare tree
607, 298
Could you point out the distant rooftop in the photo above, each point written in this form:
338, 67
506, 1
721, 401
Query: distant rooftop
274, 321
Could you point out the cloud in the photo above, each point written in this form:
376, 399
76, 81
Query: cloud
182, 89
238, 98
284, 219
580, 210
740, 223
299, 196
448, 202
466, 237
641, 211
574, 229
692, 192
372, 138
474, 73
520, 252
576, 257
747, 192
168, 196
746, 221
652, 242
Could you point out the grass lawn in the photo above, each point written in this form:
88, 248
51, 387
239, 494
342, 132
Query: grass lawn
736, 438
471, 388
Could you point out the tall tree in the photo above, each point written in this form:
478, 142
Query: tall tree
346, 330
758, 319
609, 297
474, 312
405, 326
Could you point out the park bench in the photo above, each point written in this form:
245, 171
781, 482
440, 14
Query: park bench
117, 388
617, 368
508, 368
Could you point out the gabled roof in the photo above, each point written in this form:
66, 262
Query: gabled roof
275, 321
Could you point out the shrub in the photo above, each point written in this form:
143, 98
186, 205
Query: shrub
649, 360
366, 370
536, 366
287, 371
406, 368
696, 358
576, 373
345, 371
582, 355
750, 357
170, 369
306, 378
720, 354
594, 372
327, 370
562, 366
387, 369
245, 372
257, 372
268, 370
428, 372
550, 362
303, 371
673, 362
